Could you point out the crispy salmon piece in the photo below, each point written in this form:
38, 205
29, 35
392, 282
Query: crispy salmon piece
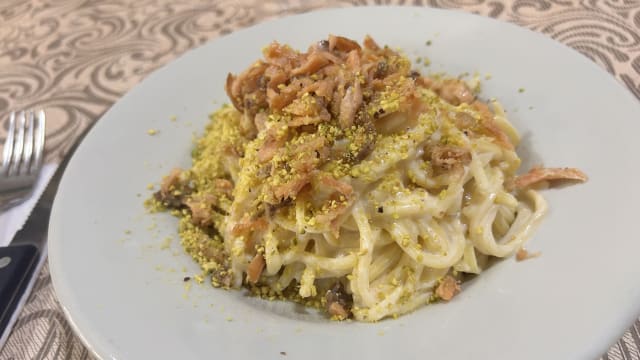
538, 174
170, 181
370, 44
448, 157
336, 309
350, 104
323, 88
236, 100
338, 301
304, 120
331, 217
276, 76
290, 189
282, 56
278, 100
455, 92
249, 81
255, 268
314, 62
203, 206
223, 186
308, 105
201, 209
309, 150
337, 185
272, 142
260, 121
341, 43
247, 225
448, 288
490, 127
353, 60
522, 254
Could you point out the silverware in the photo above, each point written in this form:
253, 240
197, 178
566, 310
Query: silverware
21, 157
19, 262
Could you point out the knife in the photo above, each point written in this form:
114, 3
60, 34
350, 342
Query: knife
19, 260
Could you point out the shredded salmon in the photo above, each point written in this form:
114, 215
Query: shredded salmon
341, 43
290, 189
249, 81
223, 186
304, 120
448, 157
323, 88
341, 187
335, 309
278, 100
256, 266
370, 44
350, 104
261, 121
200, 213
282, 56
489, 126
272, 143
248, 225
522, 254
338, 301
454, 91
353, 60
170, 181
308, 106
538, 174
448, 288
331, 216
314, 62
202, 208
276, 76
308, 154
228, 87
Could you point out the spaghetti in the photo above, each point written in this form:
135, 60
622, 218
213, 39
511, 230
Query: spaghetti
341, 178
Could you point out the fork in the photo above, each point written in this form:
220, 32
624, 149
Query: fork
21, 157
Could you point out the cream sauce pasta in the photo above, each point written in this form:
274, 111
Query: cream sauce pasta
342, 179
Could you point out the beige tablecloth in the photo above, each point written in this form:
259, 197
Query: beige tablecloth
77, 57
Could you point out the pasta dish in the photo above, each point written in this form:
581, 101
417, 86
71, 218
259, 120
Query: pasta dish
340, 178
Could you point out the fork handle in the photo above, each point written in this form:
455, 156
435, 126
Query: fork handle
16, 266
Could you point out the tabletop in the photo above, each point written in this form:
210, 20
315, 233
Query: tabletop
77, 57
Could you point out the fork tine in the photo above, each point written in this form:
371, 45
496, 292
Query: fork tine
38, 148
28, 145
8, 145
18, 145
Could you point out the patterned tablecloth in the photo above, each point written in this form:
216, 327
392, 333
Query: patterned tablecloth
77, 57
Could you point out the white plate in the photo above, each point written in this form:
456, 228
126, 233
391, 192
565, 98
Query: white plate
124, 294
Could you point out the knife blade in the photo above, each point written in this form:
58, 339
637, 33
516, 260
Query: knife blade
20, 259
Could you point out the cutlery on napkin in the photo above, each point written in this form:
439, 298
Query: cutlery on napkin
11, 221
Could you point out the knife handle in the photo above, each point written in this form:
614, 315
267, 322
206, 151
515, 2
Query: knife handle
16, 266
